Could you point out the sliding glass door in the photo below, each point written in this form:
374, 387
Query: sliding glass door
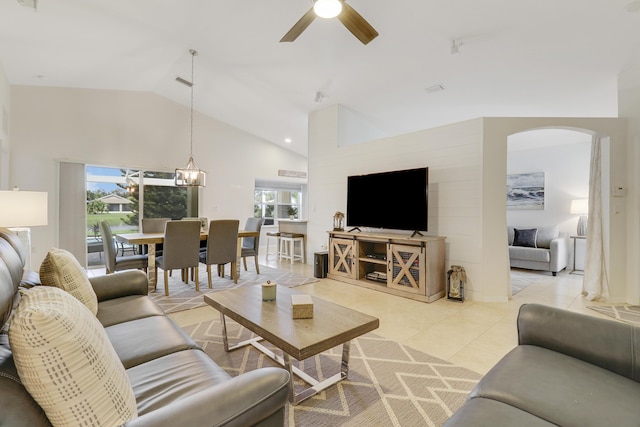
123, 196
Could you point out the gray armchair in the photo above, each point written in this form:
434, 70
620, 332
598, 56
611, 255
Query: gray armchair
112, 261
222, 247
568, 369
181, 251
250, 245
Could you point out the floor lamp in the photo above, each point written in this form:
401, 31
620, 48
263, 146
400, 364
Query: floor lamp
581, 207
20, 210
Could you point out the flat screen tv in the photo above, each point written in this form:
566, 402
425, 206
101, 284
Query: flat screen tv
395, 200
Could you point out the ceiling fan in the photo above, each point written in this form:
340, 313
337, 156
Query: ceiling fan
351, 19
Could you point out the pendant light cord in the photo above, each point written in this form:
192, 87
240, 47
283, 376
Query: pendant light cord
193, 54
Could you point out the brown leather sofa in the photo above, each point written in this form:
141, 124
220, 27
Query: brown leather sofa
175, 383
569, 369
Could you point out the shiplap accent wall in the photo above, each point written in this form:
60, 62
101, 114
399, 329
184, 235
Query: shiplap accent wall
454, 157
468, 166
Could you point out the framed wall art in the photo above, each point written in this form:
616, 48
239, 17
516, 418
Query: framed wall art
525, 191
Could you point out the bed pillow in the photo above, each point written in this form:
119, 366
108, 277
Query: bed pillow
66, 362
525, 237
62, 270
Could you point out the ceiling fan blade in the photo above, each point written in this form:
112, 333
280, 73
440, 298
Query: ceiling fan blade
299, 26
355, 23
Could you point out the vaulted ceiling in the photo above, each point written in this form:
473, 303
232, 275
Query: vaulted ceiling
515, 58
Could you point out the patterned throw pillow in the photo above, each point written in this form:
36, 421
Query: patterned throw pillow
62, 270
66, 362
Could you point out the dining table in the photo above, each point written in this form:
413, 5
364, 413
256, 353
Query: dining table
151, 239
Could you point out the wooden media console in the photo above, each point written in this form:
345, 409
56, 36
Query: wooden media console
398, 264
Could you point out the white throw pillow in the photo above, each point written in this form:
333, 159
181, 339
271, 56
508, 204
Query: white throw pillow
62, 270
66, 362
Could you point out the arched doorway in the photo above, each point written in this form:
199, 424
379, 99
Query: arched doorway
496, 131
561, 158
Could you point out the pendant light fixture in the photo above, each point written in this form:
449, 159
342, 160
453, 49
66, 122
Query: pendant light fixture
190, 175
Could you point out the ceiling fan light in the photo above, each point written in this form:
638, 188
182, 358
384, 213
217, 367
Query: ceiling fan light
327, 8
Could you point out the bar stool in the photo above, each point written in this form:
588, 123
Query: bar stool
272, 235
288, 246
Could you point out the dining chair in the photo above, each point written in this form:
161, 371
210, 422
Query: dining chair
250, 245
204, 223
154, 225
222, 247
181, 251
112, 261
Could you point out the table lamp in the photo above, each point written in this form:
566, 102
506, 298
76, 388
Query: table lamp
20, 210
580, 207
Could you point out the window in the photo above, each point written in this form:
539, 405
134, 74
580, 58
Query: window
114, 195
288, 204
162, 199
264, 204
273, 201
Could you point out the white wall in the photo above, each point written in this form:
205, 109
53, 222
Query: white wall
136, 130
629, 108
566, 169
468, 167
4, 124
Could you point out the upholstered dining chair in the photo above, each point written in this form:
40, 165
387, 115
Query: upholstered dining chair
181, 251
250, 245
222, 247
204, 223
154, 225
112, 261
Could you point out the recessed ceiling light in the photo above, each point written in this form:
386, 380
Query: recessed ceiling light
434, 89
634, 6
287, 140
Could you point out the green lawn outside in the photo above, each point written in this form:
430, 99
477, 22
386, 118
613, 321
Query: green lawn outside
114, 220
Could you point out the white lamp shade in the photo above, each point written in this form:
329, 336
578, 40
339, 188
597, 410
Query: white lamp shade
327, 8
23, 208
579, 207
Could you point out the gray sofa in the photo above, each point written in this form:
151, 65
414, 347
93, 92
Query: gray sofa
551, 251
569, 369
175, 383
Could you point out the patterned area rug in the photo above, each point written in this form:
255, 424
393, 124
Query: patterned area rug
183, 296
521, 279
388, 384
626, 313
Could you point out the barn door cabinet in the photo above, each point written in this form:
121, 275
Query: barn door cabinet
411, 267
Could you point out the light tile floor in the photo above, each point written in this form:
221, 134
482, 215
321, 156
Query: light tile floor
472, 334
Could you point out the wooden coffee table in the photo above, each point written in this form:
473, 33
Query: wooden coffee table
332, 325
